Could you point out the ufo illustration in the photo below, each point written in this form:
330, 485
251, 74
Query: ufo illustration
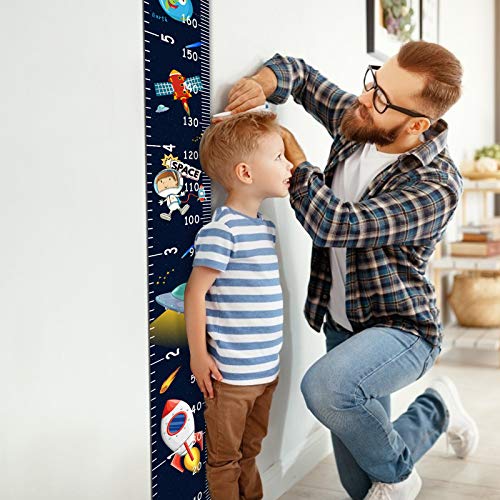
161, 108
173, 300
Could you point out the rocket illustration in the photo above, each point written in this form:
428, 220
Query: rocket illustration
181, 93
181, 87
201, 193
177, 432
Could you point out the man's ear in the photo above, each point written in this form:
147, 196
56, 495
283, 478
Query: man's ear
419, 125
243, 173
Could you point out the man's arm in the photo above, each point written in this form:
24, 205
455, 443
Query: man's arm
413, 215
284, 76
202, 364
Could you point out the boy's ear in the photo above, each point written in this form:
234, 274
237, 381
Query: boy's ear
243, 173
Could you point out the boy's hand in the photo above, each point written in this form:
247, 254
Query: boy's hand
245, 94
293, 152
203, 367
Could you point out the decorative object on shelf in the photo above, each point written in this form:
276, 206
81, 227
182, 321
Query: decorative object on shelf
389, 24
475, 299
478, 240
475, 248
488, 231
486, 164
429, 20
492, 151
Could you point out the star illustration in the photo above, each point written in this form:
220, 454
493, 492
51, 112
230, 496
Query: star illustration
165, 161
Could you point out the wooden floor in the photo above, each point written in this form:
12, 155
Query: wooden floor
444, 477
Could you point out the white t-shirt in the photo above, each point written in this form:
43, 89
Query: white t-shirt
350, 181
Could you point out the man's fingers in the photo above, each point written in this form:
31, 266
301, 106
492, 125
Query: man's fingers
243, 86
284, 131
237, 86
252, 103
242, 99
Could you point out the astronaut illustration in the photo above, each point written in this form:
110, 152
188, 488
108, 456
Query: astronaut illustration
168, 184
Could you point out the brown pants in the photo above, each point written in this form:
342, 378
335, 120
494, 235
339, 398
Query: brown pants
237, 419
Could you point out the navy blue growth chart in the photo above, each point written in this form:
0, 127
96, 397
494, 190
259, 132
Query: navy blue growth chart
176, 63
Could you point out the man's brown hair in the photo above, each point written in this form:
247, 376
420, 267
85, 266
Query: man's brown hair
231, 141
442, 72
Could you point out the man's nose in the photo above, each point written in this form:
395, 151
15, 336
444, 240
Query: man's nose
366, 99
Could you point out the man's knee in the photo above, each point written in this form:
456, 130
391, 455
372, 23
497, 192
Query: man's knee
327, 389
311, 389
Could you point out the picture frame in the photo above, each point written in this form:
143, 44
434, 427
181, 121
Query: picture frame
389, 24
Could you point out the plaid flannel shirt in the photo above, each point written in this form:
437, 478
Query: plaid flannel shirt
389, 234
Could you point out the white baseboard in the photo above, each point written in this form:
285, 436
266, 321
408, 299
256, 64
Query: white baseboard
285, 473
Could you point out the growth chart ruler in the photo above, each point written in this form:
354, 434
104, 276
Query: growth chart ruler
177, 100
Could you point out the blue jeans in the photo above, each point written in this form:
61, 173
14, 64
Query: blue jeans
348, 390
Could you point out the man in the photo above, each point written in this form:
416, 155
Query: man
375, 216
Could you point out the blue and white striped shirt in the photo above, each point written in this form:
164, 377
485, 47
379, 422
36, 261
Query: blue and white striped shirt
245, 304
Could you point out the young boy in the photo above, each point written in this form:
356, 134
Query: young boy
233, 300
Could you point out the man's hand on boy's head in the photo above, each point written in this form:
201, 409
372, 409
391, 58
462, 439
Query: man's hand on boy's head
293, 152
203, 367
245, 94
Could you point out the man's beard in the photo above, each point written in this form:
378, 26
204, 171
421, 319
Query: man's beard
363, 129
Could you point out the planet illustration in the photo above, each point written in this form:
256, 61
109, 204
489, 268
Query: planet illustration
179, 10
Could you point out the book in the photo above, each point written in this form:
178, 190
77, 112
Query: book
475, 248
488, 231
481, 237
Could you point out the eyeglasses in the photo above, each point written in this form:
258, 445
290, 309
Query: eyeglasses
380, 100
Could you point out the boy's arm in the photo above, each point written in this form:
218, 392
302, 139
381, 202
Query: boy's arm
202, 364
284, 76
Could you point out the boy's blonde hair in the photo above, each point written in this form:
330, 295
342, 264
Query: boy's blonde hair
231, 141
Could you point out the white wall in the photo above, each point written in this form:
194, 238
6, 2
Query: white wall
74, 408
73, 369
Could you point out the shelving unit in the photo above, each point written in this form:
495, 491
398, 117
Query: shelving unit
486, 339
485, 187
456, 336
